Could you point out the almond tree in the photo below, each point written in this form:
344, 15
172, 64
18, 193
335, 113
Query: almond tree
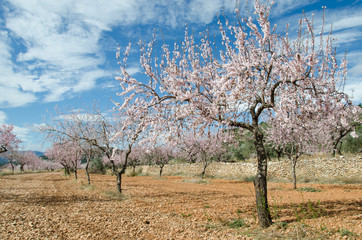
254, 75
131, 130
21, 159
188, 148
11, 157
8, 139
91, 130
343, 119
68, 154
136, 158
56, 154
295, 134
206, 148
160, 156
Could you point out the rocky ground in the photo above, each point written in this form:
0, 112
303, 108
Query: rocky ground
52, 206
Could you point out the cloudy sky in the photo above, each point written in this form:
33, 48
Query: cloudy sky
62, 53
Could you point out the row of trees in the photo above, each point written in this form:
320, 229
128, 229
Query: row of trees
92, 135
9, 150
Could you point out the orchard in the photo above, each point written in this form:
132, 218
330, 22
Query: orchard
248, 94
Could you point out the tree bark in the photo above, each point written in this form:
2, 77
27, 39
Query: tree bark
338, 140
12, 167
279, 153
66, 171
294, 163
161, 169
119, 181
87, 171
260, 182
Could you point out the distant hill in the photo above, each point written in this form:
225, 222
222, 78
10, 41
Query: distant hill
39, 154
3, 161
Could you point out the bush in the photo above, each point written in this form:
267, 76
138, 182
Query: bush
97, 166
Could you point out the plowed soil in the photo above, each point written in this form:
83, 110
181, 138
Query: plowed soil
52, 206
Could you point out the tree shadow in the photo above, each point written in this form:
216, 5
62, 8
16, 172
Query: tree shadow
48, 200
312, 210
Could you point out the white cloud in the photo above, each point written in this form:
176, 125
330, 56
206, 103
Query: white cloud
62, 53
61, 40
133, 70
31, 140
88, 80
353, 89
2, 117
283, 6
203, 10
110, 85
21, 132
14, 98
347, 36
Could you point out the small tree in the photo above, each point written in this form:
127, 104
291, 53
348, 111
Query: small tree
8, 139
205, 148
294, 134
68, 154
342, 120
160, 155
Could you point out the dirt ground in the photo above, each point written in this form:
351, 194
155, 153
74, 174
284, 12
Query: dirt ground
52, 206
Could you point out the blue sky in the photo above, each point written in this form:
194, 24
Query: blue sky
63, 52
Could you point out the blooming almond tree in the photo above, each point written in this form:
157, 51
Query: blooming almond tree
92, 130
160, 155
68, 154
256, 73
8, 139
207, 148
341, 120
295, 134
136, 158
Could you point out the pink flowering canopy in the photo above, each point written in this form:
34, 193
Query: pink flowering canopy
8, 140
257, 74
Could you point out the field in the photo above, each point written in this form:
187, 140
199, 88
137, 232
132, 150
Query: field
52, 206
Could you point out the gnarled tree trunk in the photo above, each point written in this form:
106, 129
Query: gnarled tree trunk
260, 182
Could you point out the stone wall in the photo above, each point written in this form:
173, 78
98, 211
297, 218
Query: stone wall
307, 169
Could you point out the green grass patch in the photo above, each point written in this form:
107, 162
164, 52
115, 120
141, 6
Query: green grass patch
250, 178
309, 210
186, 215
237, 223
345, 233
308, 189
115, 195
198, 181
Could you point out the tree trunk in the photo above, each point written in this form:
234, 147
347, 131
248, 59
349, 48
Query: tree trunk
338, 140
87, 171
260, 183
75, 173
66, 171
161, 169
294, 163
204, 170
279, 154
21, 168
12, 167
339, 148
119, 182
